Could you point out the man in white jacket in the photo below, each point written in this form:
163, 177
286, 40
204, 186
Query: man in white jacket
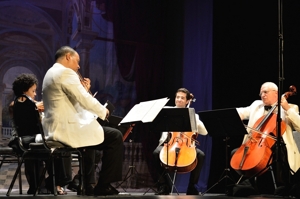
289, 115
71, 115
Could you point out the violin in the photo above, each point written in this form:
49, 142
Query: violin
84, 84
180, 152
253, 156
88, 90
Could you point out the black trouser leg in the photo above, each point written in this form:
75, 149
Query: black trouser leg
112, 158
195, 174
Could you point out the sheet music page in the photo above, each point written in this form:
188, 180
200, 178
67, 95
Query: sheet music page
145, 111
154, 110
134, 114
193, 119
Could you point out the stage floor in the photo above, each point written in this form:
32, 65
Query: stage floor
7, 171
136, 194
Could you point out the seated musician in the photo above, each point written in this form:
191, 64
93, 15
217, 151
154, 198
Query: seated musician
182, 99
290, 116
24, 113
71, 118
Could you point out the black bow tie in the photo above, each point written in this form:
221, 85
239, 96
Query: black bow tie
268, 108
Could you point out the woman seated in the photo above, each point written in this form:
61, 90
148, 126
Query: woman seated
26, 112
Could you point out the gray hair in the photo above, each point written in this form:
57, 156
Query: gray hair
270, 85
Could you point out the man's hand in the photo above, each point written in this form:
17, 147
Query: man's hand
86, 82
107, 115
284, 103
40, 106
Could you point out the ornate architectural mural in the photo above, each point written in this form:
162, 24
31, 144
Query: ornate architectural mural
30, 33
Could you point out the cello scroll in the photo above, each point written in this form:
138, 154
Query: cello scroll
293, 91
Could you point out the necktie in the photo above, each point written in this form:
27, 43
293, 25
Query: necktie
267, 108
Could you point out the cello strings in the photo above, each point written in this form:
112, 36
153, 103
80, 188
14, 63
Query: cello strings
264, 134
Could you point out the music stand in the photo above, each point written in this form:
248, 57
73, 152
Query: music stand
223, 123
175, 120
143, 112
114, 122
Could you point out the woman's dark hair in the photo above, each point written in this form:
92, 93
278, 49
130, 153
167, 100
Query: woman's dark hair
23, 82
186, 91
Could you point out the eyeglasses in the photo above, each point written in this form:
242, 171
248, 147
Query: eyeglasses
264, 92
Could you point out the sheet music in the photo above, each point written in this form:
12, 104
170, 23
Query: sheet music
154, 110
193, 120
145, 111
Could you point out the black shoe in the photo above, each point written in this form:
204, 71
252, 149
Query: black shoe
192, 190
163, 190
73, 186
105, 190
295, 191
31, 190
89, 190
282, 191
41, 191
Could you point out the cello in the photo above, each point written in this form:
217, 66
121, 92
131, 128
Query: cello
180, 152
255, 154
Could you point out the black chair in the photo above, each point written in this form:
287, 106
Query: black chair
7, 155
47, 151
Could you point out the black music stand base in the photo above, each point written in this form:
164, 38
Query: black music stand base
169, 177
225, 175
223, 123
132, 172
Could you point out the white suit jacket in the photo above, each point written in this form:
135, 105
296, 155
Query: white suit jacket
292, 120
70, 111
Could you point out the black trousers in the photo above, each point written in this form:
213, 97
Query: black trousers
112, 158
195, 174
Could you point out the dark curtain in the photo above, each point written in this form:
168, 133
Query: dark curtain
139, 37
138, 34
197, 75
149, 47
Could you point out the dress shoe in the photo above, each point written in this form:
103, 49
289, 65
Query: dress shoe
295, 190
191, 190
163, 190
282, 191
41, 191
105, 190
73, 186
89, 190
31, 190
